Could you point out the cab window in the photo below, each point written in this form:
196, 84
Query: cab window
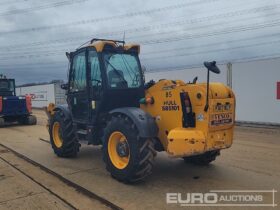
123, 70
78, 76
94, 66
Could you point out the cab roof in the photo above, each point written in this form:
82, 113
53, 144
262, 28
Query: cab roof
100, 44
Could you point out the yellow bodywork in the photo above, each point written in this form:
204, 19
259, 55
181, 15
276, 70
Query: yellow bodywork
99, 45
208, 134
49, 110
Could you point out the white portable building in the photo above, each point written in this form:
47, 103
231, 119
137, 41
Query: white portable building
42, 95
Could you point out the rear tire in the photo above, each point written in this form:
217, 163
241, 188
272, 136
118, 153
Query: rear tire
204, 159
62, 136
31, 120
2, 122
136, 161
28, 120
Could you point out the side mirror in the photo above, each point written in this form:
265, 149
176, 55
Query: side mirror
64, 86
211, 66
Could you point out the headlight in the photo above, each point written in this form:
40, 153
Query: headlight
219, 107
227, 106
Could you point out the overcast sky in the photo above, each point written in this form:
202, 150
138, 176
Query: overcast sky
34, 35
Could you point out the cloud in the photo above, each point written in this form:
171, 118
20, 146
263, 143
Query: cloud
193, 32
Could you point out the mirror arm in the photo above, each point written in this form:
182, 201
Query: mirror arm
207, 93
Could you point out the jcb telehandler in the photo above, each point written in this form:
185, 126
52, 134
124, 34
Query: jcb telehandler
110, 105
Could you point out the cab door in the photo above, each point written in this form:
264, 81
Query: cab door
78, 95
96, 84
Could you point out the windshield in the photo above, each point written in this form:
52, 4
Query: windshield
7, 86
123, 70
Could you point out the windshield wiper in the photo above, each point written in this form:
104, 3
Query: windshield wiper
118, 73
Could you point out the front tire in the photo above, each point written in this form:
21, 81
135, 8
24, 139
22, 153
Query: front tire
128, 157
63, 139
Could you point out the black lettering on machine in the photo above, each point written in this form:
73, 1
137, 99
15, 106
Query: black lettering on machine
170, 105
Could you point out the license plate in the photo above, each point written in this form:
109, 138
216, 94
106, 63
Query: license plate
221, 119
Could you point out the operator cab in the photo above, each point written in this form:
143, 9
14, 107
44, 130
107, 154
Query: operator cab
104, 75
7, 87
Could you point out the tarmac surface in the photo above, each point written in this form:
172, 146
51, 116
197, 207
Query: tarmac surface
252, 163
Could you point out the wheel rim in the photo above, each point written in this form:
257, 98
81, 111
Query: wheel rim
57, 135
118, 150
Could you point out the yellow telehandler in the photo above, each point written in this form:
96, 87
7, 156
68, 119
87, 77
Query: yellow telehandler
109, 104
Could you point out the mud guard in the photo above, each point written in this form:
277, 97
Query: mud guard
64, 109
144, 122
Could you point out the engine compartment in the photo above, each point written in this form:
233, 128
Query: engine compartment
210, 130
